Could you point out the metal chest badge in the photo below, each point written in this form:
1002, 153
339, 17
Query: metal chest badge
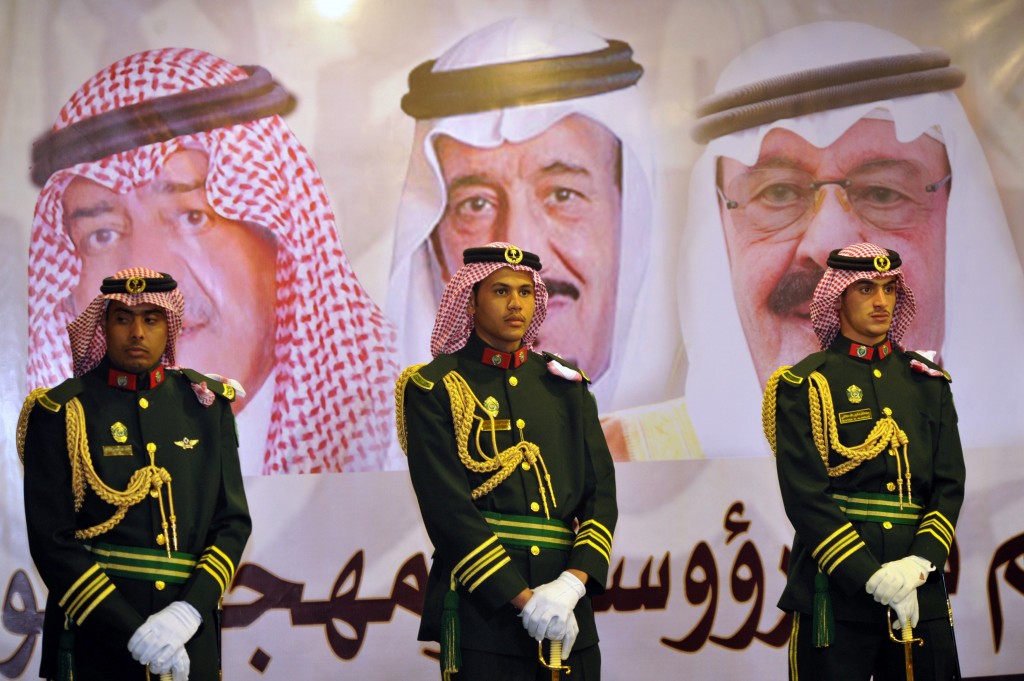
119, 432
854, 394
491, 405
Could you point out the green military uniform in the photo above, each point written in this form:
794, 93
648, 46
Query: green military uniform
105, 583
879, 502
496, 536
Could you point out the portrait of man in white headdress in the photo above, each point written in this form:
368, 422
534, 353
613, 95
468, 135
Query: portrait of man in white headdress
534, 132
819, 136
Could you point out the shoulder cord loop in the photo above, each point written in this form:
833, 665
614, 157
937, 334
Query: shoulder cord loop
463, 404
885, 435
147, 480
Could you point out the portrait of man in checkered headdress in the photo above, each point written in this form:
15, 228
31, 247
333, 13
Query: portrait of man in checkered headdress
177, 160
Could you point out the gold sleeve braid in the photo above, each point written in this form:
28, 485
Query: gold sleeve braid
464, 403
143, 481
403, 379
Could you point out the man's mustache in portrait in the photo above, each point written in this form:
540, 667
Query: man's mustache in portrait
794, 289
557, 287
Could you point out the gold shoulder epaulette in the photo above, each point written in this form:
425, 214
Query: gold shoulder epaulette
789, 377
421, 382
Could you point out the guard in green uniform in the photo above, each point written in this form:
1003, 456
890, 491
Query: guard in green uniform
513, 477
134, 502
872, 478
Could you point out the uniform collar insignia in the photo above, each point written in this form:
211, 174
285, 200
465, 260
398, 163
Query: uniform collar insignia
126, 381
504, 360
868, 352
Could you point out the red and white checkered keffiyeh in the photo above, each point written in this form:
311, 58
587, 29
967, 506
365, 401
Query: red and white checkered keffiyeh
89, 342
825, 303
334, 350
454, 323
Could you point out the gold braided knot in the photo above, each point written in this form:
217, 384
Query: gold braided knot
148, 479
22, 430
463, 404
768, 407
885, 436
400, 428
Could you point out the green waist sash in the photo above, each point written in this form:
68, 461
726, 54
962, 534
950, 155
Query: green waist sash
527, 532
879, 508
150, 565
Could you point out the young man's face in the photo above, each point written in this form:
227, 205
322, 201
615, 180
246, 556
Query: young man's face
780, 234
225, 269
502, 308
865, 310
136, 335
556, 195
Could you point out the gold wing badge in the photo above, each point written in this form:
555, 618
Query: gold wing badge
186, 443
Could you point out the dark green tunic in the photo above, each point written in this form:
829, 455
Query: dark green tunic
558, 415
846, 548
197, 445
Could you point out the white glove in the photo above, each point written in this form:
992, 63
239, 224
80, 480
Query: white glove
906, 609
894, 580
178, 666
547, 613
158, 641
571, 631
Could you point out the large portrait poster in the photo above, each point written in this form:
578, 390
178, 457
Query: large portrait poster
310, 171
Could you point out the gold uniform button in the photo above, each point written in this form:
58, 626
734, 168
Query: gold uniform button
887, 525
877, 373
160, 540
526, 466
144, 403
891, 486
535, 507
160, 586
535, 550
513, 381
520, 424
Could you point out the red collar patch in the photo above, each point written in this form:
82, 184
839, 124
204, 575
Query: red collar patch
126, 381
504, 360
868, 353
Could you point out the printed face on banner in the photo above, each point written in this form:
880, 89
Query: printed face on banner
225, 269
557, 195
785, 214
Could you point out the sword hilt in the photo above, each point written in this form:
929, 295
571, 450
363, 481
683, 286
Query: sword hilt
554, 660
906, 632
166, 676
